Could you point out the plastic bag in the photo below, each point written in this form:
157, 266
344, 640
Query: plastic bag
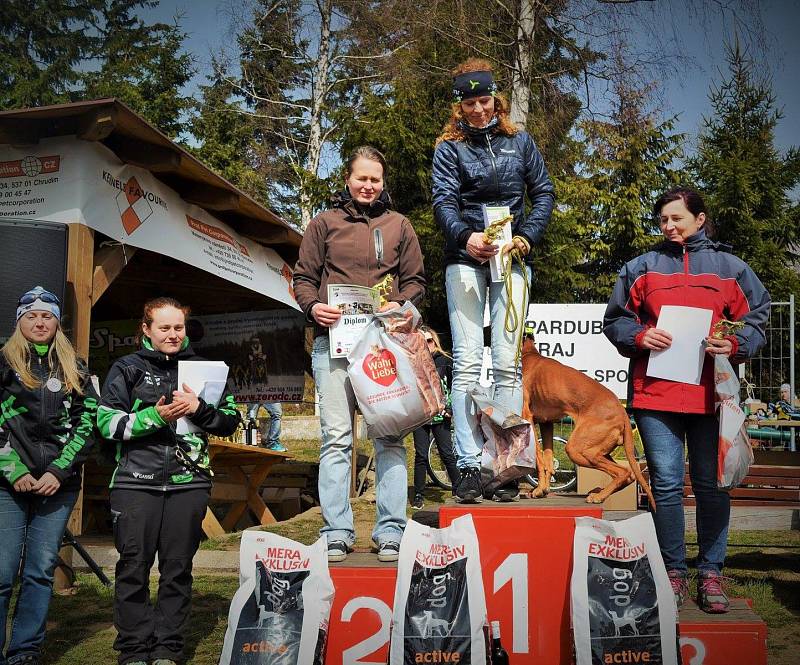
393, 374
734, 452
439, 613
509, 449
623, 607
280, 613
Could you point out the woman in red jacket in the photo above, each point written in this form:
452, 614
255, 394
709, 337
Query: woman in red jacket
690, 270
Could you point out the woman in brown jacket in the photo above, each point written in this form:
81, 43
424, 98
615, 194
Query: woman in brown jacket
359, 241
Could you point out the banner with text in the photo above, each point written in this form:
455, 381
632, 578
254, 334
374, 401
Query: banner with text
67, 180
573, 335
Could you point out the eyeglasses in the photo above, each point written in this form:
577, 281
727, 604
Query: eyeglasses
44, 296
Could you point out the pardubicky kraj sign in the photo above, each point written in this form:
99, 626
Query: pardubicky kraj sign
573, 335
67, 180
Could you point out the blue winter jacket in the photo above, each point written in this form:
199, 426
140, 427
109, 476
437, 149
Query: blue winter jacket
493, 169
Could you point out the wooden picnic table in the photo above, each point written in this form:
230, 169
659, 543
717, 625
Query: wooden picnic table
239, 472
793, 426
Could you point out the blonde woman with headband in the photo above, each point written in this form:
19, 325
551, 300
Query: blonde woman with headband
439, 427
46, 430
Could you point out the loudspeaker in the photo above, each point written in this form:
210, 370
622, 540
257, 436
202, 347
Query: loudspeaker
33, 254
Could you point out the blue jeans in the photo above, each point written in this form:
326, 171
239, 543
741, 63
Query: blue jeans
30, 525
337, 403
663, 434
275, 411
466, 300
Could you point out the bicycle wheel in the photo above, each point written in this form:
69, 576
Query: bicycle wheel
436, 468
564, 477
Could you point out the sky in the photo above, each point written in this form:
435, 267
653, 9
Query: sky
683, 90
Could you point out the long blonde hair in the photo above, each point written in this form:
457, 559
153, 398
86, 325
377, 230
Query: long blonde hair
453, 131
437, 345
61, 357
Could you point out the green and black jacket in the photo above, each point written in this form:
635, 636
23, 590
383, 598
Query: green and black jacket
42, 430
150, 454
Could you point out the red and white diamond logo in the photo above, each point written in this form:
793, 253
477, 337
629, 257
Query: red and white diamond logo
133, 207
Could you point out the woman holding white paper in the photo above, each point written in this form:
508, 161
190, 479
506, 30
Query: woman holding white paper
161, 486
687, 270
359, 241
483, 167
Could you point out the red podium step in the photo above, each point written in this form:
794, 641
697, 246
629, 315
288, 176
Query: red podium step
526, 557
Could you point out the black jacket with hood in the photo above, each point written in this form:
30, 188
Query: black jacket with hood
150, 454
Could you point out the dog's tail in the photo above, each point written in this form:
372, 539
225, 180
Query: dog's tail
630, 454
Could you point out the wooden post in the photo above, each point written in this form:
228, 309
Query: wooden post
80, 272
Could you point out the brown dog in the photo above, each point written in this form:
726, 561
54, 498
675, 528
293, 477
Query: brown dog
552, 391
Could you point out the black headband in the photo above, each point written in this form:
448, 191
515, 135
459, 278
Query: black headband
473, 84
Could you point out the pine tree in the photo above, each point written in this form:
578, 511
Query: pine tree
141, 65
746, 180
605, 217
42, 42
225, 134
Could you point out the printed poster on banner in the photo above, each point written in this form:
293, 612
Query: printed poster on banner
64, 179
264, 350
357, 304
573, 335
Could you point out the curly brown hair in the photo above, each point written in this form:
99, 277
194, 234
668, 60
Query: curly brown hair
452, 131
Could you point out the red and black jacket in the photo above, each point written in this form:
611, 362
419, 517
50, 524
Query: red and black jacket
698, 273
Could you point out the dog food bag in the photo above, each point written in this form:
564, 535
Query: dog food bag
623, 608
509, 449
734, 454
393, 375
439, 605
280, 613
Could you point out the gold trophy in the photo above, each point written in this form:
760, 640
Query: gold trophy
384, 288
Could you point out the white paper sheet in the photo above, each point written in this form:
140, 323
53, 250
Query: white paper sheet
207, 378
683, 361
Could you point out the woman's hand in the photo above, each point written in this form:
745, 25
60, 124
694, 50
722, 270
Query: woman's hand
480, 250
187, 397
656, 339
718, 347
389, 306
25, 484
47, 485
171, 412
325, 315
517, 243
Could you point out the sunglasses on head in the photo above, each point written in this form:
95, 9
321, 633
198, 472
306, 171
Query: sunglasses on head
46, 297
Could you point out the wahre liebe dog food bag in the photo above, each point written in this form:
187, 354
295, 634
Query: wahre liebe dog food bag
439, 611
623, 608
734, 454
280, 613
393, 375
509, 449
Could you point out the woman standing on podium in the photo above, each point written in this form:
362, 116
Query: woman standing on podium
360, 241
46, 429
161, 486
483, 161
689, 270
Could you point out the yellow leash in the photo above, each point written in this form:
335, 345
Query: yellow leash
514, 319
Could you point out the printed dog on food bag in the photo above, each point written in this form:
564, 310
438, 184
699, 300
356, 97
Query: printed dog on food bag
550, 392
432, 622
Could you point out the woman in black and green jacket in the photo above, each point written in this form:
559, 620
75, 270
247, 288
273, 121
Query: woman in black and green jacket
161, 486
47, 412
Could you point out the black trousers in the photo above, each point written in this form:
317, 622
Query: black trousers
422, 439
145, 523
